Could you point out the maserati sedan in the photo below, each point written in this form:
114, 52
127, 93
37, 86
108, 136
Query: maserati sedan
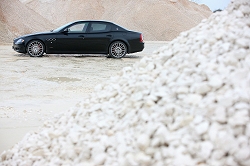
82, 37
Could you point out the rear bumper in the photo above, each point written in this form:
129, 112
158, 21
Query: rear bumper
137, 47
19, 48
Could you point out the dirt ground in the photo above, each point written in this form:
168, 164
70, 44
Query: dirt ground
33, 90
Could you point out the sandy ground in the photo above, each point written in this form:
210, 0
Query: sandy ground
33, 90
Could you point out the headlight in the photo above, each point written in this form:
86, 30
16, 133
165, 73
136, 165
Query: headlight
19, 41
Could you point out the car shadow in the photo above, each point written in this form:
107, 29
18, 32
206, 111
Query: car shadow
132, 56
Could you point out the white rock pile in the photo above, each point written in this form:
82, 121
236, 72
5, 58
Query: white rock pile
188, 104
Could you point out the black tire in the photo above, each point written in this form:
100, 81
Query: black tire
35, 48
117, 49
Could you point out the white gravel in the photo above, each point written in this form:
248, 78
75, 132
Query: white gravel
187, 104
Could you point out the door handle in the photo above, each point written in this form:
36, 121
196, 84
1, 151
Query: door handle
109, 35
82, 36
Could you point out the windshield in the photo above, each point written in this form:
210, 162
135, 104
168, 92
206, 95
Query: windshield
61, 27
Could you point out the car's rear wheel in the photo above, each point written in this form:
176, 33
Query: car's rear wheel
35, 48
117, 49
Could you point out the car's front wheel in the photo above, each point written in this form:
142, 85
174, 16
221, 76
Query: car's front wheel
117, 49
35, 48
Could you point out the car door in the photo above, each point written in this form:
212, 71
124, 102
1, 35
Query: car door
98, 37
72, 39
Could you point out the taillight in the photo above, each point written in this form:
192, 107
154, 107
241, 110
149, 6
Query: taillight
141, 38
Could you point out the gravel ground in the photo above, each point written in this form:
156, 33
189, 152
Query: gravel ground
32, 90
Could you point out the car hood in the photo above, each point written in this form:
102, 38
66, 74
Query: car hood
33, 34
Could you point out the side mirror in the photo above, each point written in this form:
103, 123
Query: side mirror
65, 31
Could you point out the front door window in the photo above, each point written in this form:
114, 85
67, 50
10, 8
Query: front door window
78, 28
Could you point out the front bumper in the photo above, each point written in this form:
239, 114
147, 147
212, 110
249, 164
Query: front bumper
19, 48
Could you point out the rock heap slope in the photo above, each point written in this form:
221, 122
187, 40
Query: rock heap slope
16, 19
187, 104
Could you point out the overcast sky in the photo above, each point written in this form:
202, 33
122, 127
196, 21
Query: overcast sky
215, 4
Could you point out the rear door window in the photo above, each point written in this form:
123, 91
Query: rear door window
99, 27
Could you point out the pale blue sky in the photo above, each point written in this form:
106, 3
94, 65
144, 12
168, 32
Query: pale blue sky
215, 4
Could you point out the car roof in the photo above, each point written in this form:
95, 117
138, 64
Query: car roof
104, 21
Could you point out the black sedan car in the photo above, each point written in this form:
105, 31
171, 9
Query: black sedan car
82, 37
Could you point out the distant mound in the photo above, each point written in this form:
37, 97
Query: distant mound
158, 20
5, 34
18, 19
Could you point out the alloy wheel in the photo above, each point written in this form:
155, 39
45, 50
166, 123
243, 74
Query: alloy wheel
118, 50
35, 48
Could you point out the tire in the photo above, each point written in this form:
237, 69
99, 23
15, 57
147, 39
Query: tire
35, 48
117, 49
